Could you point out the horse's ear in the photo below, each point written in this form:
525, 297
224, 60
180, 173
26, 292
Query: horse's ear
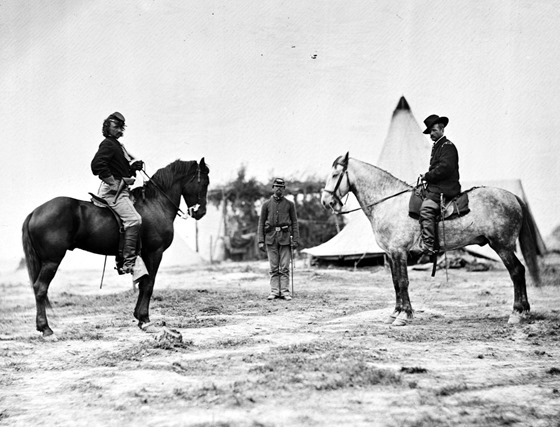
346, 157
202, 165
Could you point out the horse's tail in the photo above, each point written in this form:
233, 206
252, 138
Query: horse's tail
31, 258
528, 242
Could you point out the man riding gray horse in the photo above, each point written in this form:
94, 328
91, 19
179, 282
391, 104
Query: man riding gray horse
441, 178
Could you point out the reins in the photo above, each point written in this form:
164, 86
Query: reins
376, 202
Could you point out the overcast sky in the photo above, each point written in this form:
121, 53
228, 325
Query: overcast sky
283, 87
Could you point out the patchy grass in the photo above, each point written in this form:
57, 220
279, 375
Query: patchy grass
322, 366
246, 361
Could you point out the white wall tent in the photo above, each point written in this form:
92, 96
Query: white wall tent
516, 187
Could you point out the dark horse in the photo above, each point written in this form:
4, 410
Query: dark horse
63, 224
497, 218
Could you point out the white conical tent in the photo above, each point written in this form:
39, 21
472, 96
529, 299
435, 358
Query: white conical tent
406, 151
405, 154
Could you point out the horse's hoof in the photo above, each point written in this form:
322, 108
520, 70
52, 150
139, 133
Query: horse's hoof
516, 318
402, 320
399, 322
152, 327
50, 338
392, 318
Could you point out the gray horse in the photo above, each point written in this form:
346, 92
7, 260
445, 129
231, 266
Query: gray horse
497, 218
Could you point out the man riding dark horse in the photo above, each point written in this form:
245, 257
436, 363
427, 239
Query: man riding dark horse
441, 178
116, 168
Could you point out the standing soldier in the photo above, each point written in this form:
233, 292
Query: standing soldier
279, 230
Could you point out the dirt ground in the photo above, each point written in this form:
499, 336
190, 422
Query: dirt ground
325, 358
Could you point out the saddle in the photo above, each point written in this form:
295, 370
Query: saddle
102, 203
454, 208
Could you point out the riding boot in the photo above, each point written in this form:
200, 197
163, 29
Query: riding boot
428, 214
427, 242
129, 248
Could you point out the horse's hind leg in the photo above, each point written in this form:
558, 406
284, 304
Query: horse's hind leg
41, 288
517, 274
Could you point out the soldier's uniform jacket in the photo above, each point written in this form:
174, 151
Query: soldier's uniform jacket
278, 221
111, 161
443, 174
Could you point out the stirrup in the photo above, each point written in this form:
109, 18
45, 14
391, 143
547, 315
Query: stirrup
125, 269
122, 270
425, 249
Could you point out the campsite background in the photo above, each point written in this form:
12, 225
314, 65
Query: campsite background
281, 87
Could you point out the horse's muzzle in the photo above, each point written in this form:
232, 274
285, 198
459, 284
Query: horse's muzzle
198, 213
328, 201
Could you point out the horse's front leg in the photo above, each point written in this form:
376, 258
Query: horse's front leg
403, 309
398, 301
146, 288
142, 309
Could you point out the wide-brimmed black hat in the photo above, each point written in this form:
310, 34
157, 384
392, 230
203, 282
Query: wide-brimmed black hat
432, 120
279, 182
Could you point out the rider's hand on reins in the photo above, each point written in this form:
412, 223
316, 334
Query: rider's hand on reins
137, 165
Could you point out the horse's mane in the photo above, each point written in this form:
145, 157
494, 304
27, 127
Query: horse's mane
340, 159
164, 177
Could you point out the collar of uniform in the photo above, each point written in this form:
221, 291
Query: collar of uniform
275, 197
439, 142
440, 139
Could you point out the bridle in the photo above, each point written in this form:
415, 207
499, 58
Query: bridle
198, 194
338, 198
333, 192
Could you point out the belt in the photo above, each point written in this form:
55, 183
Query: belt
285, 227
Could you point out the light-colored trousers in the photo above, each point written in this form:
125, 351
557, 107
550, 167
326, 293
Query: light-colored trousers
123, 206
279, 259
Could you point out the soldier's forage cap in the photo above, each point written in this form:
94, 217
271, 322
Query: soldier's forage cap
279, 182
116, 116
